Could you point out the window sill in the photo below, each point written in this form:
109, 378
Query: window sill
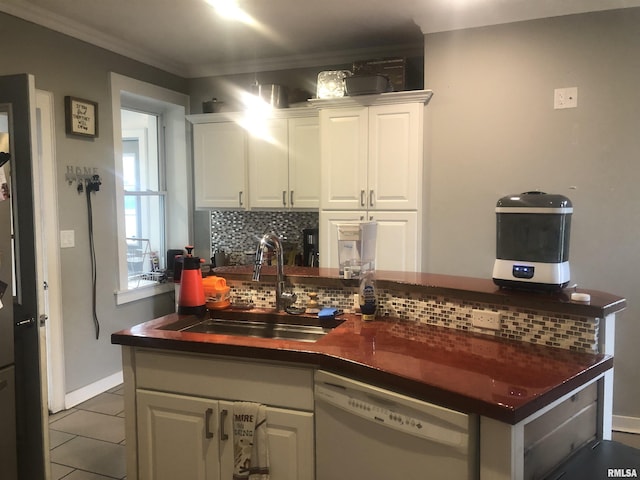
127, 296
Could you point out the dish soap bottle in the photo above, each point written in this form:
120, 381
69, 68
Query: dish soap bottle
368, 296
312, 304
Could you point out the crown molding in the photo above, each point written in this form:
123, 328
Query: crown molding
407, 96
44, 18
59, 24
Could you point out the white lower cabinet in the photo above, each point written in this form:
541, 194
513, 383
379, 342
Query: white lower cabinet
180, 421
192, 438
176, 438
397, 242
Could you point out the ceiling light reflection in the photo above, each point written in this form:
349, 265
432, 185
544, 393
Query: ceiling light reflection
256, 115
230, 10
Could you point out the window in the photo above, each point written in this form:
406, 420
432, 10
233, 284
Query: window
144, 197
150, 153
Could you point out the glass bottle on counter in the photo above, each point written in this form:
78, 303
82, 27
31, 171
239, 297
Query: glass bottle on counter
368, 295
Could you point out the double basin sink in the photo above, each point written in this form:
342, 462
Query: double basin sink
258, 324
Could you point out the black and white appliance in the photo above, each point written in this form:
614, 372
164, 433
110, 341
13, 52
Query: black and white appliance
532, 241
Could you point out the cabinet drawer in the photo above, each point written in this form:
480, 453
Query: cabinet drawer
553, 436
279, 385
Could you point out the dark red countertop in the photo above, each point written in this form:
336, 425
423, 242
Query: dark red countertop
497, 378
463, 288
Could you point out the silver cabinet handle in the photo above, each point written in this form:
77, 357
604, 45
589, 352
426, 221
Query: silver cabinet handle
223, 416
291, 198
240, 198
362, 198
284, 198
371, 198
207, 420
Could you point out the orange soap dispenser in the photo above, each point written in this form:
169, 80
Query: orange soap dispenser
191, 300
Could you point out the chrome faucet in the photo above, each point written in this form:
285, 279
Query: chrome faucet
274, 242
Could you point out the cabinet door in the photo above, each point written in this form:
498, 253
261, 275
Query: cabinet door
397, 242
328, 234
291, 444
177, 437
304, 163
343, 151
395, 156
269, 165
219, 153
290, 438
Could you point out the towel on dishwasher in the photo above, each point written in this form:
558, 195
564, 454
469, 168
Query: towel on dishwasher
250, 446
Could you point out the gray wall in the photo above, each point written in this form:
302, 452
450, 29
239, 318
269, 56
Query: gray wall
66, 66
495, 132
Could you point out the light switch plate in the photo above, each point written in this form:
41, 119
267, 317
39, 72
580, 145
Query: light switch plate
67, 238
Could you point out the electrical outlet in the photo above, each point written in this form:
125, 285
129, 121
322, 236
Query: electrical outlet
486, 319
565, 97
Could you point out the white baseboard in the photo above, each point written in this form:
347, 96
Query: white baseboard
626, 424
83, 394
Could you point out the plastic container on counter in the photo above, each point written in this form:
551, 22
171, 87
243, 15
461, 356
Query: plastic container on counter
216, 292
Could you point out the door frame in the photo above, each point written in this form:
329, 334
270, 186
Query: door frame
49, 267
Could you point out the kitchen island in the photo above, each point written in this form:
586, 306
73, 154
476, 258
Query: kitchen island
533, 403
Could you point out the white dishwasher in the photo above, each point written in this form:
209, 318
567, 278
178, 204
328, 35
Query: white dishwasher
368, 433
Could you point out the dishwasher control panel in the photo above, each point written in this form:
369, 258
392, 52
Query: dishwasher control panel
376, 408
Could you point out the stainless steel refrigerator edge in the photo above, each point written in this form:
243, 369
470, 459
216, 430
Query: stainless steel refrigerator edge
21, 415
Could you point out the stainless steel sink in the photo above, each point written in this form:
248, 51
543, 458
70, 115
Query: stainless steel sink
301, 329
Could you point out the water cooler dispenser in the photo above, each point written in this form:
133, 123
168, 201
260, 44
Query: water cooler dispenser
356, 248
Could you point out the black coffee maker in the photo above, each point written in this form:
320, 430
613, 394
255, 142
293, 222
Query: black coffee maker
310, 254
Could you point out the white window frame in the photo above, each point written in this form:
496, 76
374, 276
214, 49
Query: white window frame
134, 94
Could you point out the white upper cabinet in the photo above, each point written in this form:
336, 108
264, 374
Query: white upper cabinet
284, 164
372, 169
273, 163
304, 163
220, 165
372, 156
394, 177
344, 155
269, 164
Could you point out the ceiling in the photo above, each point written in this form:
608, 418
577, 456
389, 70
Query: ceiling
187, 38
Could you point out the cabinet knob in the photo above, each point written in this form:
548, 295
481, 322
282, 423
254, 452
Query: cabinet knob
284, 198
371, 198
240, 198
362, 204
291, 198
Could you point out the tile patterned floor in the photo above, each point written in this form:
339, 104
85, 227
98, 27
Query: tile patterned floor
87, 441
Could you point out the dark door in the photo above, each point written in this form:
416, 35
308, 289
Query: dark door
18, 91
8, 452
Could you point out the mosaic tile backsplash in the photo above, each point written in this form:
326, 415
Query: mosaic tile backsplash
568, 332
237, 232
